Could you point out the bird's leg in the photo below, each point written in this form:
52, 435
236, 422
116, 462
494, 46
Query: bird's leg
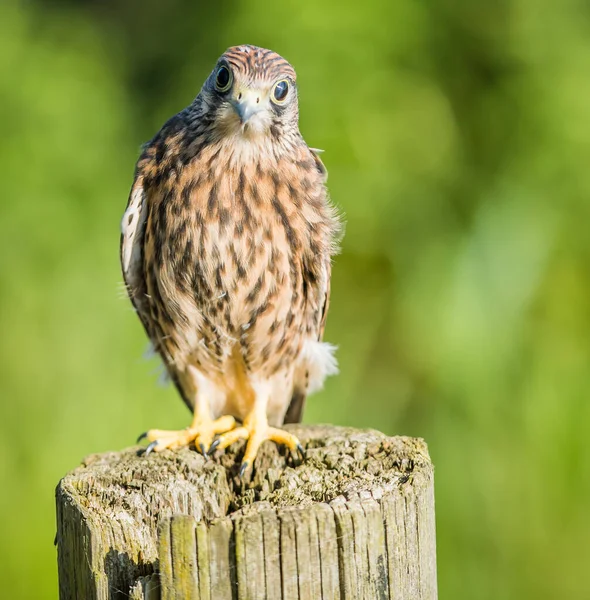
256, 430
201, 431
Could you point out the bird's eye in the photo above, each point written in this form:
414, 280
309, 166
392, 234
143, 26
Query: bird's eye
223, 79
280, 91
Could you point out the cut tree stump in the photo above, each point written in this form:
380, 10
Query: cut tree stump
354, 521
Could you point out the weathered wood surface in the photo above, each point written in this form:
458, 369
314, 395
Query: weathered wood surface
355, 521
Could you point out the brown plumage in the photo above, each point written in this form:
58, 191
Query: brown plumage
226, 247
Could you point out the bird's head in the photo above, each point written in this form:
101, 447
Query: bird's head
251, 93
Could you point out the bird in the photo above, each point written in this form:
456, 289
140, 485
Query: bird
226, 250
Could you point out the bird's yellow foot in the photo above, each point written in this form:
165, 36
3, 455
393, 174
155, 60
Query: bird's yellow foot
201, 433
256, 430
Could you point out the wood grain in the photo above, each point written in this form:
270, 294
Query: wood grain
355, 521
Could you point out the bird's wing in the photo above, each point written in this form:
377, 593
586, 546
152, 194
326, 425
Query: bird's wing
322, 353
317, 361
327, 265
133, 228
326, 301
294, 413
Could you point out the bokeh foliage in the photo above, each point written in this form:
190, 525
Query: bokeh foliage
457, 137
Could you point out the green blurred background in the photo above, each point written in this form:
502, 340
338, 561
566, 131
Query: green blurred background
457, 137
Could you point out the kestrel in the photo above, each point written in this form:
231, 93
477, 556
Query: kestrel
226, 253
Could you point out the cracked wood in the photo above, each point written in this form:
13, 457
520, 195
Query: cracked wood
355, 521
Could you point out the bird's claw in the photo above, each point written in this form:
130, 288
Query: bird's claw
171, 439
151, 447
243, 468
300, 452
142, 436
200, 434
213, 447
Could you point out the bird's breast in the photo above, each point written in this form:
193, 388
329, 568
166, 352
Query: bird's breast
226, 251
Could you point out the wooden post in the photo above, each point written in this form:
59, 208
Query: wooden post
354, 522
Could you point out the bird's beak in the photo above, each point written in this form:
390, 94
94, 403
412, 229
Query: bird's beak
246, 103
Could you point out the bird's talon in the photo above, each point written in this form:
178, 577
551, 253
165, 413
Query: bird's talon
142, 436
243, 469
300, 452
151, 447
213, 447
199, 434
